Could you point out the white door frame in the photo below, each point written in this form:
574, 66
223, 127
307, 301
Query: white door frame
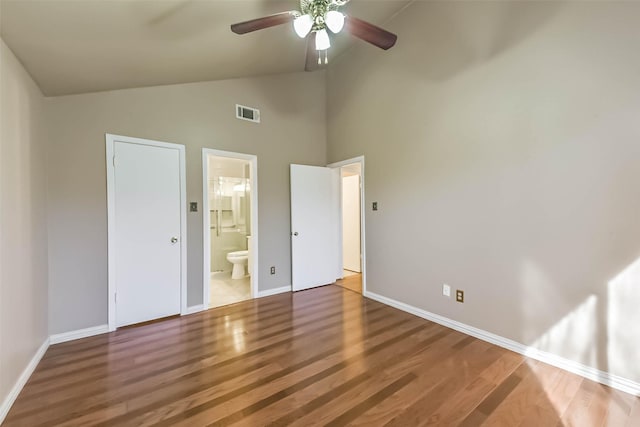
363, 205
111, 219
206, 235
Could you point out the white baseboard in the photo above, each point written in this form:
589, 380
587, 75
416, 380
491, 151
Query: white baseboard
22, 380
194, 309
269, 292
606, 378
80, 333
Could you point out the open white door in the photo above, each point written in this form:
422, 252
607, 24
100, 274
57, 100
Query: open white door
315, 226
146, 230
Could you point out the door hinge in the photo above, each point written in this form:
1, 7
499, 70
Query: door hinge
115, 297
114, 161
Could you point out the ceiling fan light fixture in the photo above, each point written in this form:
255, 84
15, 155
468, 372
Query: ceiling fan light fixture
302, 25
322, 40
334, 21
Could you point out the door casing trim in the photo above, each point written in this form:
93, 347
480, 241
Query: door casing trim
363, 206
206, 238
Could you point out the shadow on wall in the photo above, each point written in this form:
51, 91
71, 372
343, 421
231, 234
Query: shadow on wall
187, 19
453, 37
462, 35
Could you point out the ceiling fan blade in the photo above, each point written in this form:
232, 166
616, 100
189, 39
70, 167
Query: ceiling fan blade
311, 63
370, 33
265, 22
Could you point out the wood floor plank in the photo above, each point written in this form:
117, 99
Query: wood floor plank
325, 356
187, 353
513, 406
634, 415
448, 379
352, 282
402, 403
371, 375
166, 370
217, 394
467, 399
210, 328
585, 408
306, 375
427, 353
211, 369
372, 401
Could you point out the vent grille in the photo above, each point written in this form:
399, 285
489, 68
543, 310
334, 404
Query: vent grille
247, 113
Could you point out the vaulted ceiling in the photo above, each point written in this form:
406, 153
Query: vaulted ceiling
71, 46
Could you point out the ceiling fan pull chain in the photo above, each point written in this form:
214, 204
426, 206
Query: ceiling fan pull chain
319, 59
326, 57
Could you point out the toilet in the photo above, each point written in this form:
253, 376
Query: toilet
239, 259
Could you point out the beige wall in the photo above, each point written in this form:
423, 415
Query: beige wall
351, 222
502, 144
23, 235
197, 115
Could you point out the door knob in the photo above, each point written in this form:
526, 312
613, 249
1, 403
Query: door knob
174, 240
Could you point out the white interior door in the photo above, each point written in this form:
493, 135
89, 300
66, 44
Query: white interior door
147, 240
351, 223
315, 225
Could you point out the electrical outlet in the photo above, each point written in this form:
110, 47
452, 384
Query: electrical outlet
446, 290
459, 295
273, 270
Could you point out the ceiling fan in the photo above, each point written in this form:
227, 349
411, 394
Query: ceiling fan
313, 20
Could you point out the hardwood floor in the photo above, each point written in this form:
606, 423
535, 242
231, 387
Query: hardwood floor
352, 282
325, 356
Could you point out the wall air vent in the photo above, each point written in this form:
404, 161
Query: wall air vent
247, 113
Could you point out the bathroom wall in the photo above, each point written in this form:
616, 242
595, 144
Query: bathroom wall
224, 175
502, 146
23, 214
197, 115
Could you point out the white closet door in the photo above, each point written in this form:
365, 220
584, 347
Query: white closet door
147, 239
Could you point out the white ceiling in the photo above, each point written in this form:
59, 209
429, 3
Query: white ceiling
72, 46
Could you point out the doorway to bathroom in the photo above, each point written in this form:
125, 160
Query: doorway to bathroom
352, 214
230, 227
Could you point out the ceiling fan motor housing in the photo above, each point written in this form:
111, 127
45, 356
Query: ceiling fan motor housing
318, 10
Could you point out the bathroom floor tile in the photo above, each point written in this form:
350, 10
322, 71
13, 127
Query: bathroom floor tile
224, 290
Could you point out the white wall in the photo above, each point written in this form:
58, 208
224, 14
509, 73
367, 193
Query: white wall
197, 115
351, 222
503, 148
23, 236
